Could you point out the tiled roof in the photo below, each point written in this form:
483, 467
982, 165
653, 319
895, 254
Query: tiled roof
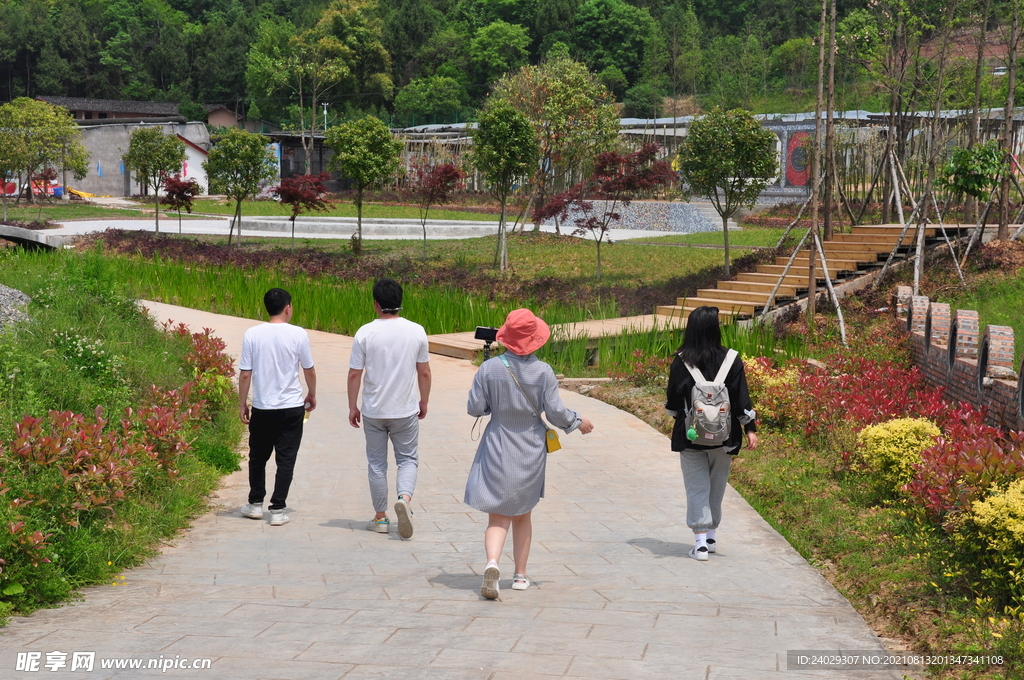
114, 106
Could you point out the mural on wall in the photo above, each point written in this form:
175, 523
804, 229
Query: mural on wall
797, 159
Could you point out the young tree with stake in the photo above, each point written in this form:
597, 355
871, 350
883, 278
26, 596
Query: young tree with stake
238, 165
728, 158
367, 153
505, 152
154, 156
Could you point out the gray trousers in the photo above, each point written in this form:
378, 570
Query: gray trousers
705, 475
404, 435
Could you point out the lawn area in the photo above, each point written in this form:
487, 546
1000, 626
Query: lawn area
341, 209
532, 256
759, 236
60, 211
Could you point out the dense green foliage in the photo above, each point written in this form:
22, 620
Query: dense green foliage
364, 53
111, 483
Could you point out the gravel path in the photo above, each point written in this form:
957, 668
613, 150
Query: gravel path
12, 302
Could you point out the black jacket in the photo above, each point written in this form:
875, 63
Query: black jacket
680, 384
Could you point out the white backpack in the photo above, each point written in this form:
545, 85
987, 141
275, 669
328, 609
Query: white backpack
709, 418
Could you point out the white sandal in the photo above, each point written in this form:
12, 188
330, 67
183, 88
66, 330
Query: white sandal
520, 582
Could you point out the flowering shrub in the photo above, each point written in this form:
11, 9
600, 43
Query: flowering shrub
774, 391
90, 357
961, 467
857, 391
993, 535
74, 473
891, 449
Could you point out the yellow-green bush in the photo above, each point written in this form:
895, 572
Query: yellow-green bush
891, 449
993, 535
773, 391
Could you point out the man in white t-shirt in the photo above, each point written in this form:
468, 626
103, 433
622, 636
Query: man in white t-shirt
390, 358
271, 356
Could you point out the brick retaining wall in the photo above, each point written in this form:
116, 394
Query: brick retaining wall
951, 353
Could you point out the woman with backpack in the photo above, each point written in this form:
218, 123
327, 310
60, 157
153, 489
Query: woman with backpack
708, 396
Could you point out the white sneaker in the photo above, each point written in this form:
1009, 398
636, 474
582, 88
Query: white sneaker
277, 518
700, 553
712, 546
253, 510
404, 513
520, 582
381, 526
490, 587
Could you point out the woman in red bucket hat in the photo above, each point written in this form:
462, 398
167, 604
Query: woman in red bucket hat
506, 479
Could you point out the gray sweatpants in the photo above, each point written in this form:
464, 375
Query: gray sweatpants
404, 435
705, 475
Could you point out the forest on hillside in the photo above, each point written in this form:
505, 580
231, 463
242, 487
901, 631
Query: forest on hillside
421, 61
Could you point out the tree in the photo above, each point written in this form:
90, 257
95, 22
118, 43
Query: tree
505, 152
238, 165
436, 95
616, 179
366, 152
303, 193
572, 115
179, 194
42, 136
613, 33
154, 156
431, 185
681, 29
498, 48
12, 152
305, 65
728, 158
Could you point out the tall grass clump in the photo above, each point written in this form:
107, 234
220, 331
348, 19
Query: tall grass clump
324, 303
114, 429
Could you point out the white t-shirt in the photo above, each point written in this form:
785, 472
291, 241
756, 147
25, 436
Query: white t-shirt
274, 352
387, 351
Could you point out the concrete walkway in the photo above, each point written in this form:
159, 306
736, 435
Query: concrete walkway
321, 598
343, 229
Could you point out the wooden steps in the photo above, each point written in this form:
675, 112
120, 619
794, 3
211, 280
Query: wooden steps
865, 247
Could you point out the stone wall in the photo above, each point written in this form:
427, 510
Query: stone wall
972, 367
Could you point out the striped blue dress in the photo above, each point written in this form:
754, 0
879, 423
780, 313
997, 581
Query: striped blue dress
507, 475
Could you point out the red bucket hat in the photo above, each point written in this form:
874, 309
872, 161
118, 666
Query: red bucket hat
523, 332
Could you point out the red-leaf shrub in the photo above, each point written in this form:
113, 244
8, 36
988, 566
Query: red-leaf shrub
963, 467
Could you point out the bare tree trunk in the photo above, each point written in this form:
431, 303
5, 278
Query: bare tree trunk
812, 279
502, 227
830, 131
725, 237
979, 67
1003, 232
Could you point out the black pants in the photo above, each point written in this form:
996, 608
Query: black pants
270, 430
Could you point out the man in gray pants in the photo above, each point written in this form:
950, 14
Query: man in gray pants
390, 360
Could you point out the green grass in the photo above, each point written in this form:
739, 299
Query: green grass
747, 237
57, 212
998, 302
334, 306
533, 256
341, 209
77, 294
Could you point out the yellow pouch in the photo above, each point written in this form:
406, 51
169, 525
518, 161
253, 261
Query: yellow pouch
551, 438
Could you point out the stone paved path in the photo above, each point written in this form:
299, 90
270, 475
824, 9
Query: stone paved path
321, 598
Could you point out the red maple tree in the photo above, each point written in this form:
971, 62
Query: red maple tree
432, 185
617, 179
303, 193
179, 194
